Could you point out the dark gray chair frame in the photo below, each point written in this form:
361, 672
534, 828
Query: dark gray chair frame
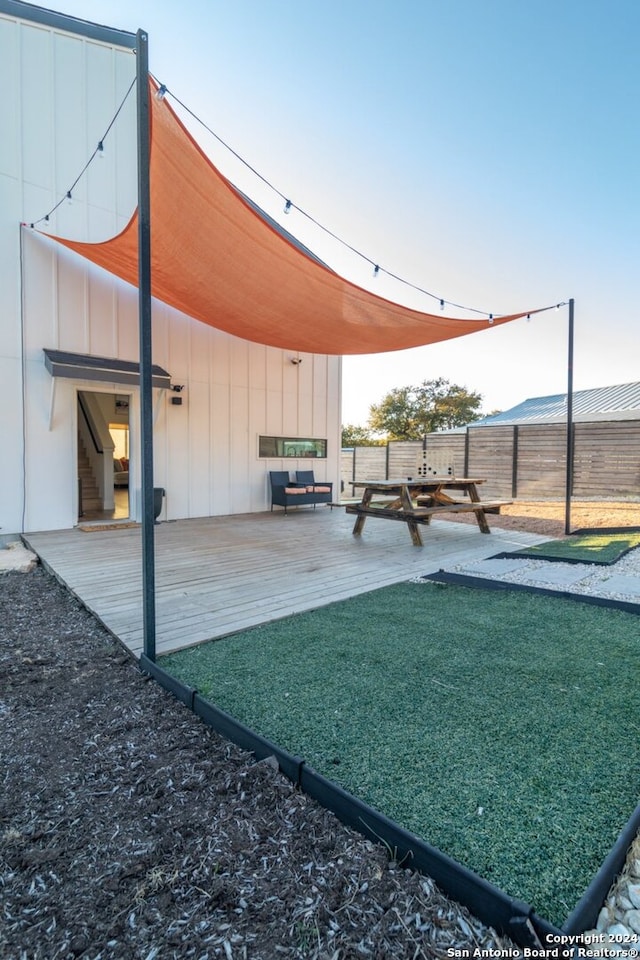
279, 480
307, 477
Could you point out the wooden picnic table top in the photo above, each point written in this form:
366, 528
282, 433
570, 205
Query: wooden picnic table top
412, 482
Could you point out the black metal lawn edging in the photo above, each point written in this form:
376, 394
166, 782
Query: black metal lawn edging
549, 558
484, 583
589, 530
508, 916
586, 531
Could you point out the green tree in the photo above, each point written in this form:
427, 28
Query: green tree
408, 413
355, 436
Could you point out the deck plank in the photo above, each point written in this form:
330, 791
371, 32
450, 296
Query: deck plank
221, 575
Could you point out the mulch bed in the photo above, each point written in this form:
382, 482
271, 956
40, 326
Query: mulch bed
128, 829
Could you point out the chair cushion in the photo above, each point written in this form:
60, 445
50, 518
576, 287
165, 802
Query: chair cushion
295, 489
316, 488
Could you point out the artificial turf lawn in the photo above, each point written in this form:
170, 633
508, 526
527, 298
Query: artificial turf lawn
602, 548
500, 727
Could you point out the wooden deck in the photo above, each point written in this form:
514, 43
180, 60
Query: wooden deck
219, 575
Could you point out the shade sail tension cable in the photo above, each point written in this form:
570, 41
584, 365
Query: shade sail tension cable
161, 91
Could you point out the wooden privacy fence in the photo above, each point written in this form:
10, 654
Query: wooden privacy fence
525, 462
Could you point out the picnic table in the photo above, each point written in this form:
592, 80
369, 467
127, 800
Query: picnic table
415, 502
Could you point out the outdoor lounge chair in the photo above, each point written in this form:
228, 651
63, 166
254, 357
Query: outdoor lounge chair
321, 487
287, 493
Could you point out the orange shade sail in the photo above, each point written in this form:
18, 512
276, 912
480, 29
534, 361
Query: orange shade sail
215, 258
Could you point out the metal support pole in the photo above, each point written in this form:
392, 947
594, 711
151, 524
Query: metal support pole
144, 321
569, 479
514, 463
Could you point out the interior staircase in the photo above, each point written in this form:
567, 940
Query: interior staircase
89, 494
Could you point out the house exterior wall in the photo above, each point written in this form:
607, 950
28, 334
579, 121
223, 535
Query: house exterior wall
60, 91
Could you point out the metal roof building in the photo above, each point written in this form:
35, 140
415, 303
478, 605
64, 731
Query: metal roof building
620, 402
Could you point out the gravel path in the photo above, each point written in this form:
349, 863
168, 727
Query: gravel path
620, 581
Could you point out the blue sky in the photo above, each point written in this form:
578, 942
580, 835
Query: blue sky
485, 150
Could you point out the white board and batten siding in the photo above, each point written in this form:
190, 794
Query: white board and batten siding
60, 92
235, 391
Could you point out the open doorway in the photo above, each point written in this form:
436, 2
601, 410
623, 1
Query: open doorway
103, 456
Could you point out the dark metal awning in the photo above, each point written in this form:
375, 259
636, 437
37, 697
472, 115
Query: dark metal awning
82, 366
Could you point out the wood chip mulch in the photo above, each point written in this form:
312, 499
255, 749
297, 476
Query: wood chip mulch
128, 829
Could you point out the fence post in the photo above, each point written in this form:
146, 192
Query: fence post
514, 464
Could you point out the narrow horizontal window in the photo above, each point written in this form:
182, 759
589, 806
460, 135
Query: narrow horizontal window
277, 447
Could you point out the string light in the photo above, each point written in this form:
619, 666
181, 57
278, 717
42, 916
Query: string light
99, 151
376, 267
160, 94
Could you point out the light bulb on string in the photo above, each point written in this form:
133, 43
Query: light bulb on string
161, 92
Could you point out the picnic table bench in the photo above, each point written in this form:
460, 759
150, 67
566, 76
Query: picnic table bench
417, 501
